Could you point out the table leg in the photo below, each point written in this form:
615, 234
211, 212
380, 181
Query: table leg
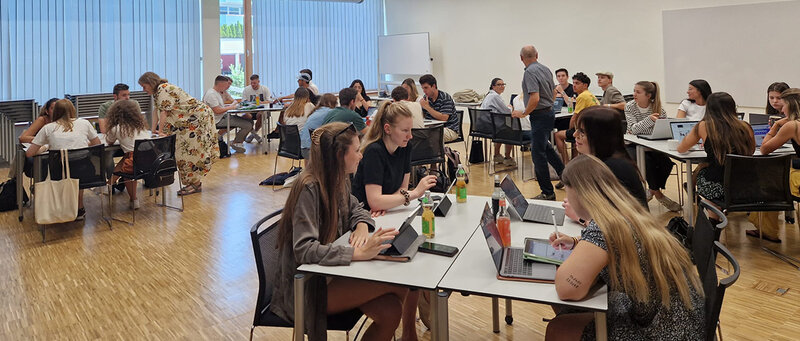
265, 129
19, 171
434, 314
228, 131
640, 160
601, 330
442, 328
688, 204
495, 315
299, 317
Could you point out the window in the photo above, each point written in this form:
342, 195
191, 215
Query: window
231, 43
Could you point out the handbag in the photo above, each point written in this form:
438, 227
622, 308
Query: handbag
57, 201
476, 152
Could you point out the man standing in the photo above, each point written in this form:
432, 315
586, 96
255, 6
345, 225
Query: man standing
121, 91
345, 113
537, 94
611, 95
213, 98
439, 105
252, 92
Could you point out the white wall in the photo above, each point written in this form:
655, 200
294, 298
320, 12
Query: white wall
211, 50
473, 41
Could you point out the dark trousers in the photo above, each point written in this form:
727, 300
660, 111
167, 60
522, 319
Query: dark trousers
658, 166
542, 152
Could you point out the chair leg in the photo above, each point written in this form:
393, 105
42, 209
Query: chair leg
251, 332
274, 171
719, 331
41, 228
111, 210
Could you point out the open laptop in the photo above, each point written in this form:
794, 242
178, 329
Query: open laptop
661, 129
509, 261
760, 130
529, 212
758, 119
682, 128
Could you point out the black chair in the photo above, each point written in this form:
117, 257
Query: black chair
86, 165
704, 235
480, 131
508, 130
154, 162
427, 145
265, 242
628, 97
715, 290
289, 146
460, 114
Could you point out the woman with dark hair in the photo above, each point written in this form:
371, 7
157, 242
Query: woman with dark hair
599, 132
694, 107
774, 102
362, 100
722, 133
495, 103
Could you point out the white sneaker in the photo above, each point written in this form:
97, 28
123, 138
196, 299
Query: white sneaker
509, 162
249, 138
257, 137
498, 159
238, 147
134, 204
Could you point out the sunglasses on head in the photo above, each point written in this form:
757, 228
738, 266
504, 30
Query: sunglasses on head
350, 126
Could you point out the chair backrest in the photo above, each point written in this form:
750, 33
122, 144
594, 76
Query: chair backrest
427, 145
156, 155
85, 164
460, 114
479, 122
628, 97
8, 139
507, 129
715, 290
264, 235
757, 183
704, 236
20, 110
87, 105
289, 145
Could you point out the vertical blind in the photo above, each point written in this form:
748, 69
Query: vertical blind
49, 48
337, 41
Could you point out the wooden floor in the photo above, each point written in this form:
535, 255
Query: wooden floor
191, 275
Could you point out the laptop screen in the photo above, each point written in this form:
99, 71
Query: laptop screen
514, 196
681, 128
760, 130
492, 236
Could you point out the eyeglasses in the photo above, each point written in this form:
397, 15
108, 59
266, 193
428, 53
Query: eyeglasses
500, 84
350, 126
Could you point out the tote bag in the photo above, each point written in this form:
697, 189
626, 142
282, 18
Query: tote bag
57, 201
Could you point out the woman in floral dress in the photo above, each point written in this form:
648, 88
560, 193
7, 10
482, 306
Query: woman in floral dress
196, 146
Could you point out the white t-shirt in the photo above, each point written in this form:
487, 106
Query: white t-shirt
214, 99
693, 111
248, 94
53, 134
313, 88
416, 113
300, 122
525, 122
126, 142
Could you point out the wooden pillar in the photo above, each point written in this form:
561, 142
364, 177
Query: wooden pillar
248, 40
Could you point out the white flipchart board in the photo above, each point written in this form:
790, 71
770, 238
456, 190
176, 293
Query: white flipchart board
739, 49
404, 54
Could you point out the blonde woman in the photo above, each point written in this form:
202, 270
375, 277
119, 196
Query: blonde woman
411, 87
297, 113
654, 290
192, 122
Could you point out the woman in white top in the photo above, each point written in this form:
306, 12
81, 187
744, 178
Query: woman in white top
126, 125
400, 95
65, 131
494, 102
297, 113
694, 107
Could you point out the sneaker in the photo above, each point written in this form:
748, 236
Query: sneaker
510, 162
498, 159
560, 185
542, 196
257, 137
119, 187
81, 214
669, 204
649, 195
134, 204
238, 147
249, 138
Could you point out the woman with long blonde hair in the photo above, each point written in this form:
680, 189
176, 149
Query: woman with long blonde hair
297, 112
654, 290
411, 87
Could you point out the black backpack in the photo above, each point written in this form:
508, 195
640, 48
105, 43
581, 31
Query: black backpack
681, 230
8, 195
224, 151
163, 172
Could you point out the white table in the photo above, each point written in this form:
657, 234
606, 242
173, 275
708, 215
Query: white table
474, 272
423, 272
264, 127
689, 158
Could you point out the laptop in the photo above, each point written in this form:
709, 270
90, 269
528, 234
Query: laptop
760, 130
661, 129
529, 212
758, 119
682, 128
509, 261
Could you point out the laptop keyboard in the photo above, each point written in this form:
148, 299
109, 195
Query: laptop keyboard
515, 264
541, 213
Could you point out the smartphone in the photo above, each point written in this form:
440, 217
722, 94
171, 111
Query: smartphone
438, 249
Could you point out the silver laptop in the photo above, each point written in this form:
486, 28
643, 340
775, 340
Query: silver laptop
661, 129
682, 128
509, 261
760, 130
529, 212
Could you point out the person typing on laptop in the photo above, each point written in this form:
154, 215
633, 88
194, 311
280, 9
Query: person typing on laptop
654, 289
641, 114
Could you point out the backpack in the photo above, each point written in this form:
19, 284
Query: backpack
452, 159
8, 195
681, 230
163, 173
224, 151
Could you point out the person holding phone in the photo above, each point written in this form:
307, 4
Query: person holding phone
319, 210
654, 291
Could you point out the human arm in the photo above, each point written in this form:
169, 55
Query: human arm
781, 132
28, 135
619, 106
533, 101
429, 109
95, 141
382, 202
637, 124
162, 118
682, 108
692, 138
575, 277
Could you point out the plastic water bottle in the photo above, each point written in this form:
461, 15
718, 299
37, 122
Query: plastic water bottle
504, 223
461, 184
496, 196
428, 223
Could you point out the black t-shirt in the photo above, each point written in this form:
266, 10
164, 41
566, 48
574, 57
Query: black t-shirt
570, 91
628, 176
378, 167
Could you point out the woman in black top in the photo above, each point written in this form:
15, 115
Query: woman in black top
600, 133
362, 100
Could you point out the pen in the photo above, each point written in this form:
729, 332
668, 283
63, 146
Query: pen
555, 226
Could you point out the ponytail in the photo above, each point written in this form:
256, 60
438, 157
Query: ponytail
657, 106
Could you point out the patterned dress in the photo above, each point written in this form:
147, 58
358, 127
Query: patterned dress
196, 146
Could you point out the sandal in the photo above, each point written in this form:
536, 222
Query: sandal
754, 233
190, 189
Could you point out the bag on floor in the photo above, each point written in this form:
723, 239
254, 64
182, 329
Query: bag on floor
8, 195
224, 151
681, 230
57, 201
452, 159
476, 152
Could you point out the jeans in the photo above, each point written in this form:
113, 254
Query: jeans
542, 152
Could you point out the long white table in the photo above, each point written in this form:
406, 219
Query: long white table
688, 158
424, 271
474, 272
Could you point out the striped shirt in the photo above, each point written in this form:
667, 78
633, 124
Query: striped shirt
638, 119
444, 105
